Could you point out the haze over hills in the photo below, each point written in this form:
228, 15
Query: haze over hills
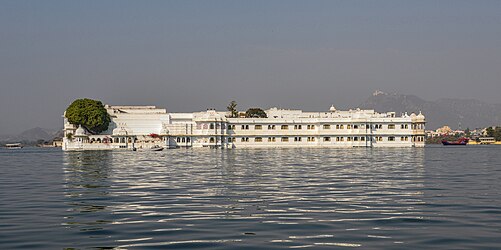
469, 113
32, 135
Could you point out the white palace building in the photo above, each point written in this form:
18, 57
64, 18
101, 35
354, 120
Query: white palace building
142, 127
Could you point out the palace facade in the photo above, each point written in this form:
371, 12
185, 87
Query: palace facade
142, 127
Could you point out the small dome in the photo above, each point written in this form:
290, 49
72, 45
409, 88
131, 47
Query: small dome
413, 115
420, 115
80, 131
120, 131
332, 109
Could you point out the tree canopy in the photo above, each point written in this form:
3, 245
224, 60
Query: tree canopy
88, 113
494, 132
255, 113
232, 107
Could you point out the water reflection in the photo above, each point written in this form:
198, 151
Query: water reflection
87, 190
210, 198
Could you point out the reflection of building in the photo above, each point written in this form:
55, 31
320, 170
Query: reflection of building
146, 126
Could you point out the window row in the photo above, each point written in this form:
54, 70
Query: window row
183, 139
327, 139
309, 126
212, 126
327, 126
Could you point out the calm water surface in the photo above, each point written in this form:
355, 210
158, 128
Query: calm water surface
431, 198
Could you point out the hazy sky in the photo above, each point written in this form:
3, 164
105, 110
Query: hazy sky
190, 55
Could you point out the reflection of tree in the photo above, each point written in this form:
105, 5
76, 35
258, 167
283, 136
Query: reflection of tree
86, 184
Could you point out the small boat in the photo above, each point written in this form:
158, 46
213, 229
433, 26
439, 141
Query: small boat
14, 145
461, 141
156, 148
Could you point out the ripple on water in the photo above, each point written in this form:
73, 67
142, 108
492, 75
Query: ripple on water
262, 198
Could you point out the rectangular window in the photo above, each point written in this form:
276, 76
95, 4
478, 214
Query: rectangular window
284, 127
348, 138
258, 127
362, 138
348, 126
355, 126
258, 139
285, 139
327, 126
271, 139
297, 138
391, 126
355, 138
271, 127
327, 139
298, 127
391, 138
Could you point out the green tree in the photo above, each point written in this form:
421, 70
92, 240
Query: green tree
89, 113
489, 132
255, 113
232, 107
497, 133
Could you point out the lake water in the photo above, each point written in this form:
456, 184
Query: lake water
432, 198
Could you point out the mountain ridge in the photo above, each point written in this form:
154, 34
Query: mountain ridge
33, 134
454, 112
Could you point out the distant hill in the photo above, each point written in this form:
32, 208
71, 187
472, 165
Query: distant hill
470, 113
33, 135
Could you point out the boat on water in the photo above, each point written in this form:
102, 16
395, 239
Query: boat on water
156, 148
13, 146
461, 142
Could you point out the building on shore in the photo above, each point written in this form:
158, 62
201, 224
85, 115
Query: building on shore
142, 127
